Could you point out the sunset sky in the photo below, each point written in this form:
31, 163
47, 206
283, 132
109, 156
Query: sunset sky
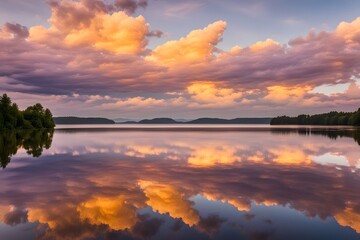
182, 59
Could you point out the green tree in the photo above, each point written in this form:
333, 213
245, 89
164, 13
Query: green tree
356, 118
48, 119
33, 117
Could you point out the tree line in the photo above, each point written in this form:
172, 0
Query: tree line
331, 118
33, 117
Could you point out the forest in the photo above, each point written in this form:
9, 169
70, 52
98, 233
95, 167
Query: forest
33, 117
331, 118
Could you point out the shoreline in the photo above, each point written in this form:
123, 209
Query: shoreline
203, 127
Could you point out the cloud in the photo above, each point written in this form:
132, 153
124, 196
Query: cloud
198, 45
11, 215
136, 102
146, 227
166, 199
283, 94
207, 93
130, 6
349, 218
211, 224
288, 156
78, 24
353, 91
155, 33
349, 31
94, 48
181, 9
266, 45
212, 156
114, 212
90, 203
13, 30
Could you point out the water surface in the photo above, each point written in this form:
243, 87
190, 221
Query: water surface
246, 182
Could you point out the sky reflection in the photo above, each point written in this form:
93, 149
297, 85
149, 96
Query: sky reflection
203, 185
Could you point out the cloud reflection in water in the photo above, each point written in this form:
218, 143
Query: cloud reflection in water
144, 184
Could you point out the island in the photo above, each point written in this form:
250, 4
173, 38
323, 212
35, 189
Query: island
33, 117
81, 120
331, 118
158, 121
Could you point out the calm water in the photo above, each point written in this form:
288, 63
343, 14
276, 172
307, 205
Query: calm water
243, 182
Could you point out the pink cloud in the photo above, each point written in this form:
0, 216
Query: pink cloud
96, 49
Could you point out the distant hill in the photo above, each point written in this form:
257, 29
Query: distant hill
124, 120
80, 120
96, 120
207, 121
231, 121
127, 122
158, 121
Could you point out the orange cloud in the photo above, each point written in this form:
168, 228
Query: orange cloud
145, 150
82, 27
349, 31
92, 49
283, 94
42, 216
207, 93
198, 45
349, 218
166, 199
115, 212
290, 156
212, 155
266, 45
257, 157
238, 203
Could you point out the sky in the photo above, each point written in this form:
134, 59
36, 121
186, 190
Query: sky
138, 59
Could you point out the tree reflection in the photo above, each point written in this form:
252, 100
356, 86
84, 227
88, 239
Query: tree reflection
330, 133
33, 141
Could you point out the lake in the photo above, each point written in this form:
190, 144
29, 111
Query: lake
181, 182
